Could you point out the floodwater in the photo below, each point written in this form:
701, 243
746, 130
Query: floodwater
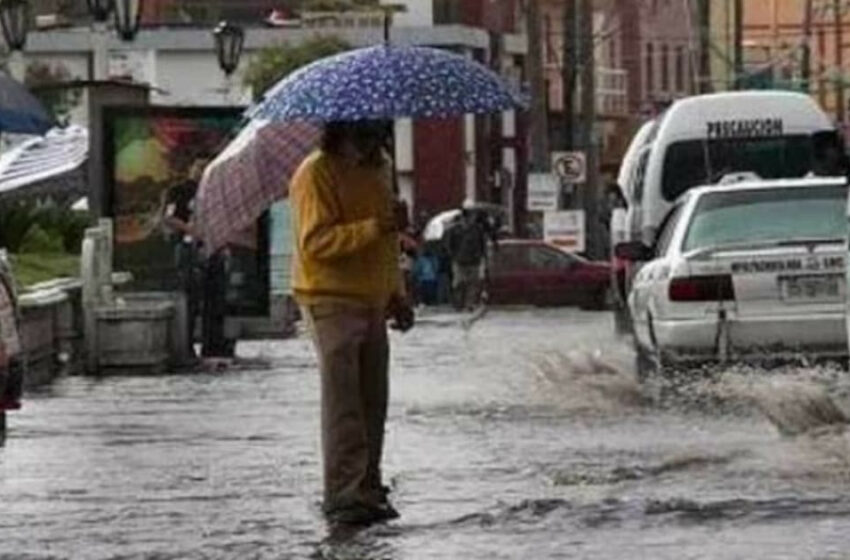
521, 435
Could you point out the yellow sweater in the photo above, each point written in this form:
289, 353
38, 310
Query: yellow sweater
340, 253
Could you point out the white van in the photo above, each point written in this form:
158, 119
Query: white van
702, 139
630, 158
699, 140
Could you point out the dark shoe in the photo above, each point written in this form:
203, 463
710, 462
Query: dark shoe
385, 505
388, 512
355, 515
360, 514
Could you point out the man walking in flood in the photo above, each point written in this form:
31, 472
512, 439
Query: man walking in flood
467, 243
346, 279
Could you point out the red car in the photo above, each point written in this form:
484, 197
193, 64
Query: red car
530, 271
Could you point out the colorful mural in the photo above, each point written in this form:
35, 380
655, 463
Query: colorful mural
154, 150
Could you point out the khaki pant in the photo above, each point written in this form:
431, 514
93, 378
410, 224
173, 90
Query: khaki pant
353, 352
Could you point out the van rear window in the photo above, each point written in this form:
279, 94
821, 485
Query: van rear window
699, 162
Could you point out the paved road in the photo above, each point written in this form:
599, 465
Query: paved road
521, 436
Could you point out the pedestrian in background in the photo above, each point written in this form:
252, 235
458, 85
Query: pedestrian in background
426, 271
179, 210
346, 278
11, 365
216, 349
468, 247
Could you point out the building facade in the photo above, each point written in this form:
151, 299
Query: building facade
776, 37
611, 80
645, 56
663, 55
198, 12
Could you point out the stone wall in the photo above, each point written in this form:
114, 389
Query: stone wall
51, 331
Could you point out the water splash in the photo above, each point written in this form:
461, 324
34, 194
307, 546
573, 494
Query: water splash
796, 401
586, 380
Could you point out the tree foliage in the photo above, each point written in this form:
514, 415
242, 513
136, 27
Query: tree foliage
273, 63
32, 226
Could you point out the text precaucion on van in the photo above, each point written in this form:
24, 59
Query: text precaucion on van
745, 128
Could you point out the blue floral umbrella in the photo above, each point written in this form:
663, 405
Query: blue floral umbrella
387, 82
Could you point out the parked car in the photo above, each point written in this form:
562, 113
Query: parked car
538, 273
748, 271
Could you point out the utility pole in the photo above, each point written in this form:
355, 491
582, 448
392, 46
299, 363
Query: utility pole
539, 96
738, 48
838, 10
568, 70
806, 60
589, 191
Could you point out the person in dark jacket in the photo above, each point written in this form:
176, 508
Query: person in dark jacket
179, 210
468, 248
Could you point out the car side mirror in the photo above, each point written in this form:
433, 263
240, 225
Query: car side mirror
634, 251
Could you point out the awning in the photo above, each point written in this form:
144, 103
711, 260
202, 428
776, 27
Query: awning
53, 164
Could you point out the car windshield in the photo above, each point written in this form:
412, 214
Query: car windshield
768, 215
699, 162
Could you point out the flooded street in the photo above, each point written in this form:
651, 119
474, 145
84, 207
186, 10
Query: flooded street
523, 435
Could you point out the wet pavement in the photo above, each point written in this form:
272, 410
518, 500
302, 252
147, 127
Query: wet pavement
523, 435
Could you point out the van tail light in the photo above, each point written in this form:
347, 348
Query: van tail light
716, 287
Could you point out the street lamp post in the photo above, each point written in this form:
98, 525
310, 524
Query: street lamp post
14, 21
126, 17
100, 11
128, 14
389, 11
229, 41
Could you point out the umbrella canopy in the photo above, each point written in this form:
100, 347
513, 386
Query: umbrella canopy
20, 111
387, 82
437, 226
382, 82
249, 176
440, 224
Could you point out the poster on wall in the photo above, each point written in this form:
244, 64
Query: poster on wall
565, 229
152, 154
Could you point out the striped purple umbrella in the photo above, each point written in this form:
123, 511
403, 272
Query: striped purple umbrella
249, 176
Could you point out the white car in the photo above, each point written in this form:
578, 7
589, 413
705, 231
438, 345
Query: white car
746, 271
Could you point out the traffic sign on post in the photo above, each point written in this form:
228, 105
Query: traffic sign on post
542, 192
570, 167
566, 229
